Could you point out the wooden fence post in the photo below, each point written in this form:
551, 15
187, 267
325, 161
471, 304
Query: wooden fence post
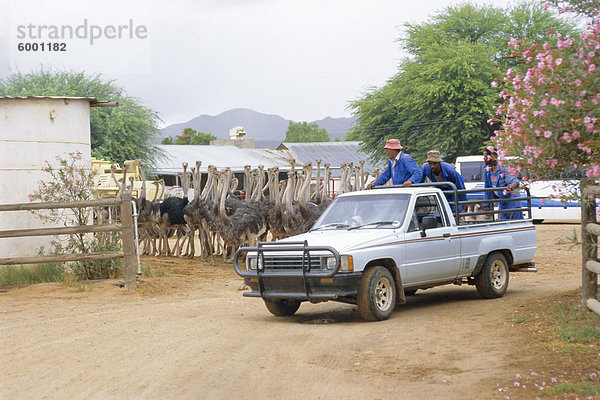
589, 245
129, 259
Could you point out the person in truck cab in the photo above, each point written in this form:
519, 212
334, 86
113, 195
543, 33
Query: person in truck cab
496, 176
402, 169
436, 170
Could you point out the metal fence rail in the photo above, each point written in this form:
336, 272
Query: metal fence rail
127, 227
590, 230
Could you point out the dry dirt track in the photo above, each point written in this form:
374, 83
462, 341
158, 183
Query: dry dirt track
191, 335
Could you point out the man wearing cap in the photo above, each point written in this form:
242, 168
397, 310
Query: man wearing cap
439, 171
401, 168
496, 176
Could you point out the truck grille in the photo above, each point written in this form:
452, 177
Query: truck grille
291, 262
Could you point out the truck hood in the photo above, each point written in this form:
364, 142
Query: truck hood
343, 240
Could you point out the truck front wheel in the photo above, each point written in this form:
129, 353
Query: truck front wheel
377, 294
282, 308
492, 281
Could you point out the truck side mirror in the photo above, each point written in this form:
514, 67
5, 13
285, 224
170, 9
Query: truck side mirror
429, 222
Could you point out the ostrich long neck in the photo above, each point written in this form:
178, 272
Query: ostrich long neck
223, 186
184, 180
248, 182
318, 186
325, 182
143, 173
304, 194
209, 188
276, 187
363, 179
122, 190
197, 181
261, 183
289, 193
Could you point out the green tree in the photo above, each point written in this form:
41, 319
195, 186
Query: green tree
117, 133
305, 132
441, 97
190, 136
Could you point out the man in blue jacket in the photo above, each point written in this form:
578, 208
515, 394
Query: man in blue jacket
439, 171
496, 176
401, 168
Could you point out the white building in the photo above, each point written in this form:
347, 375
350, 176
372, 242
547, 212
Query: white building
33, 130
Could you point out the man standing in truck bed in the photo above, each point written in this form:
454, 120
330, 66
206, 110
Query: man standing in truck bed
402, 169
496, 176
439, 171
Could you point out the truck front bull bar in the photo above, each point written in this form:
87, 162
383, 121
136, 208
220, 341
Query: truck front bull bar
306, 271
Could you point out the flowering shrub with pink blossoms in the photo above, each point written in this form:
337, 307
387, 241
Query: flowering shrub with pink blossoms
552, 108
71, 180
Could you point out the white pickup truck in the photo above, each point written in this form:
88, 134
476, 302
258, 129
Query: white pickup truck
372, 248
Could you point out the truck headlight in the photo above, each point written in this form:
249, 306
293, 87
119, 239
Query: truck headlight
347, 264
252, 262
330, 263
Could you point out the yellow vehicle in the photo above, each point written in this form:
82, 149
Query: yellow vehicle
106, 185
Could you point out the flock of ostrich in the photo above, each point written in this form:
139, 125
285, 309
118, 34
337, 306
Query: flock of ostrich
270, 209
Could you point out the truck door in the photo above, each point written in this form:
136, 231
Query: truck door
436, 256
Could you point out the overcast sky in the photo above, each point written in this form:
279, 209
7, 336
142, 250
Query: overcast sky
303, 60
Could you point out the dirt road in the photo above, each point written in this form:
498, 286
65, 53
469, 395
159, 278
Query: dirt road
191, 335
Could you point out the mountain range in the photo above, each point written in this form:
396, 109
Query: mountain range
267, 130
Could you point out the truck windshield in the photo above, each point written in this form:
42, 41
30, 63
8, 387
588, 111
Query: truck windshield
354, 211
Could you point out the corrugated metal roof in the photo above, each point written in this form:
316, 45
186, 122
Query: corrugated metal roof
219, 156
335, 153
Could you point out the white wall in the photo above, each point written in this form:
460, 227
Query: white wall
33, 130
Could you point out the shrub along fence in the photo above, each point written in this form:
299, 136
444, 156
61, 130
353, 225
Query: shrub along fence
126, 226
590, 230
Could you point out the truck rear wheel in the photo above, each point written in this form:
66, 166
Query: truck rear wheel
377, 294
282, 308
492, 281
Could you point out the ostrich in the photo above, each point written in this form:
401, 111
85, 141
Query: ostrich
342, 188
243, 226
247, 182
315, 195
291, 219
199, 213
275, 217
260, 205
376, 172
324, 202
308, 210
144, 209
153, 229
171, 216
363, 178
194, 212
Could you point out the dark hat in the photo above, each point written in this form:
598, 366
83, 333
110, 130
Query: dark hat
491, 150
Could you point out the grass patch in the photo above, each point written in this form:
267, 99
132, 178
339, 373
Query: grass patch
569, 326
584, 389
149, 271
566, 335
15, 275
